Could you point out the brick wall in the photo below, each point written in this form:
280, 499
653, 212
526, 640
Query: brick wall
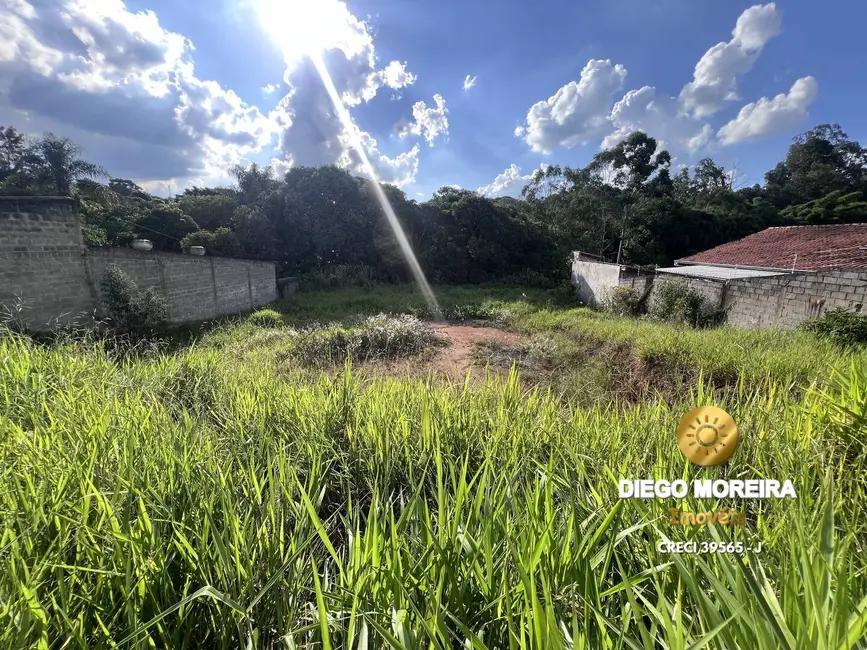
44, 261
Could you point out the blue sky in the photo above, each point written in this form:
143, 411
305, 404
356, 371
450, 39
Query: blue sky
172, 93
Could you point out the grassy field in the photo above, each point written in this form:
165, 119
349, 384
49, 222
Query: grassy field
222, 491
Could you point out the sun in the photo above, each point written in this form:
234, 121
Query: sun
306, 27
707, 436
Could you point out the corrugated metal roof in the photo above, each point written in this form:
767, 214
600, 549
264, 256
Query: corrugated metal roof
715, 272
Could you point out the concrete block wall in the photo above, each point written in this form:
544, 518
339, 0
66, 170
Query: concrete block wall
783, 301
44, 261
711, 290
42, 266
788, 300
197, 288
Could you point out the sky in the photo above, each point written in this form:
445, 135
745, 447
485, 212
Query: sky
475, 94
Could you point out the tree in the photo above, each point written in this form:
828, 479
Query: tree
818, 162
222, 242
61, 164
165, 226
209, 211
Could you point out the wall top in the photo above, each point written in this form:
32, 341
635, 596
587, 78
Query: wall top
38, 199
46, 205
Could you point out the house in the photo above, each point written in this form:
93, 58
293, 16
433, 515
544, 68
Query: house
777, 277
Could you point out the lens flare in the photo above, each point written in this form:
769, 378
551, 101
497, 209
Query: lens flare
305, 28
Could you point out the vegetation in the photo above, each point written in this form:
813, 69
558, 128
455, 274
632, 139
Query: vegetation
131, 310
841, 326
625, 205
377, 337
266, 318
677, 302
227, 495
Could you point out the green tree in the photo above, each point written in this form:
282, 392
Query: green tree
165, 226
209, 211
222, 242
61, 164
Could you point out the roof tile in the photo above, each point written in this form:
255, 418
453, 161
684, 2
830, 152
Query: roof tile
802, 248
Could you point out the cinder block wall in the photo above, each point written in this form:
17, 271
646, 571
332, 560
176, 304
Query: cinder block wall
787, 300
712, 290
44, 261
42, 265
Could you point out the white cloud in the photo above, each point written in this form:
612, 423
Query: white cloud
578, 112
122, 87
582, 112
126, 89
311, 132
469, 82
430, 122
770, 116
400, 170
715, 78
395, 75
509, 183
657, 115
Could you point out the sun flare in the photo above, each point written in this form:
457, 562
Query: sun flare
307, 27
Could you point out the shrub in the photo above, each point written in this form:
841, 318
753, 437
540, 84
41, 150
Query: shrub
376, 337
337, 276
266, 318
844, 327
131, 310
528, 278
676, 302
624, 301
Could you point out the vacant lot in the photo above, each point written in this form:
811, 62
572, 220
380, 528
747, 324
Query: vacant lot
333, 476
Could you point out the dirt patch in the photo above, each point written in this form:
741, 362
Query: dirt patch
457, 357
453, 360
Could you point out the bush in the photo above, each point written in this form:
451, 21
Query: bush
338, 276
131, 310
222, 242
528, 278
844, 327
266, 318
676, 302
624, 301
377, 337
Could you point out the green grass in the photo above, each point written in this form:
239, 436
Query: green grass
221, 496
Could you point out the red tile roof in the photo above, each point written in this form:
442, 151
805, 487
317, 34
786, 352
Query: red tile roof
804, 248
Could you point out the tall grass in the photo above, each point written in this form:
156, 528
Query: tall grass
206, 499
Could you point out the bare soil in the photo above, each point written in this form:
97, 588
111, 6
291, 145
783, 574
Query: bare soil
452, 360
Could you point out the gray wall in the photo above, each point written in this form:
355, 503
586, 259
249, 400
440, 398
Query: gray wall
197, 288
712, 290
787, 300
593, 280
776, 301
44, 262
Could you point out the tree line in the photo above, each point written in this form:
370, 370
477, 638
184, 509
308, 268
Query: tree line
626, 205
